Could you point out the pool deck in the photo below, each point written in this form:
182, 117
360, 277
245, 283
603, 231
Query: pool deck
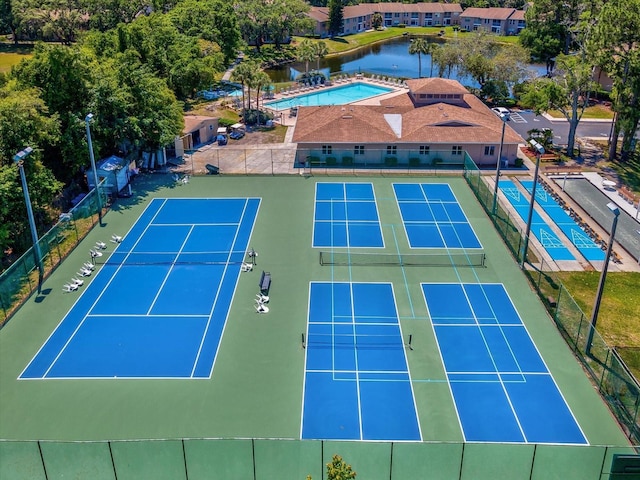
287, 120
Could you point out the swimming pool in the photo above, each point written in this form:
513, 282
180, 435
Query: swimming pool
341, 95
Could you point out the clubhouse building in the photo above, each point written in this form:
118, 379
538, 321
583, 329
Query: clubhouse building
436, 123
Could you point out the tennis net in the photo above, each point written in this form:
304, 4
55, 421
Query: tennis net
172, 258
446, 259
348, 341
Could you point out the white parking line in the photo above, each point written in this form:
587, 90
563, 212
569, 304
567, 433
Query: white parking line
517, 118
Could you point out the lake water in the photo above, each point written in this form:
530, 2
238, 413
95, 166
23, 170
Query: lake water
390, 59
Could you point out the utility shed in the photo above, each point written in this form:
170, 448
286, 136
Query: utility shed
115, 172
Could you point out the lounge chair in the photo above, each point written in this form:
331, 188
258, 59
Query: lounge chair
116, 238
101, 245
77, 281
260, 298
246, 267
67, 287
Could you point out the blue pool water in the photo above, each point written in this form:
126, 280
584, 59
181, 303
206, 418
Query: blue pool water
342, 95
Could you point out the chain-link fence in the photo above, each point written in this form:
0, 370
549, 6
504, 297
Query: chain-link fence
267, 459
617, 385
262, 159
21, 279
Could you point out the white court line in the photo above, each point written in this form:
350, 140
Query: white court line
168, 274
115, 273
215, 300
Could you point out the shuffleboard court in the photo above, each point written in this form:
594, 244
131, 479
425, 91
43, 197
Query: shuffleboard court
580, 239
501, 387
357, 382
158, 306
346, 215
432, 216
539, 228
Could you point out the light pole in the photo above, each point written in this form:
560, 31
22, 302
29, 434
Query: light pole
603, 276
539, 151
87, 121
19, 160
504, 117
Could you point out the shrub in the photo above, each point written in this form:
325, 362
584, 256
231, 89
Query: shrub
347, 160
414, 162
225, 122
391, 161
331, 160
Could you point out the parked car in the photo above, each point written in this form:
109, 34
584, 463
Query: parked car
236, 134
501, 111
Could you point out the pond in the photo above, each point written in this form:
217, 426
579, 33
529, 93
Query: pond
390, 58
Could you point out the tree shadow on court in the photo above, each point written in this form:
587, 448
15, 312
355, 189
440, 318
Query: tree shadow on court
144, 185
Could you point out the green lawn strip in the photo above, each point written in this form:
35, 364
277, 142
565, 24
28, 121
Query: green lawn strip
629, 172
618, 318
8, 60
595, 112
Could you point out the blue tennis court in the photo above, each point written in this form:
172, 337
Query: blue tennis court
357, 383
501, 387
346, 215
580, 239
158, 306
539, 228
432, 216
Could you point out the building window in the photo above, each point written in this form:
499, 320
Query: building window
456, 150
392, 149
490, 151
424, 149
358, 150
327, 149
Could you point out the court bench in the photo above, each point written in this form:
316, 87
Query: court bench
265, 281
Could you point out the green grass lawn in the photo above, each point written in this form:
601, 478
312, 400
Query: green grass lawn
11, 55
619, 317
8, 60
599, 112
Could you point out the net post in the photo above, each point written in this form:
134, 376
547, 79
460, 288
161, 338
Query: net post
303, 344
410, 340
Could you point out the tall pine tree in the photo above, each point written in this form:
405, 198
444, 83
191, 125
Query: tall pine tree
336, 17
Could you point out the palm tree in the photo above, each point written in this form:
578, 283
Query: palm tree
420, 46
306, 53
244, 74
319, 51
259, 80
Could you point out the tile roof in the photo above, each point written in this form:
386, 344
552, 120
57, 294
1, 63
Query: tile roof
494, 13
321, 14
435, 85
436, 123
